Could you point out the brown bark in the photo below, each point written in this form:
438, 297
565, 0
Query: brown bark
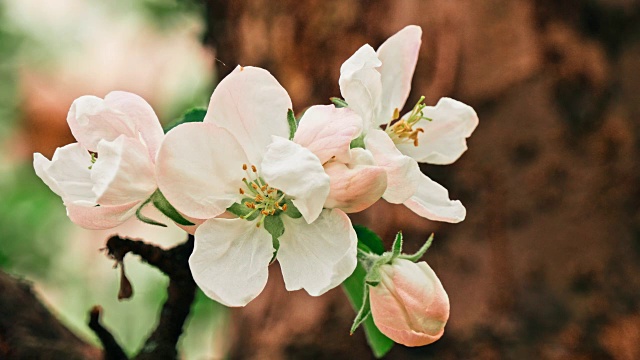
28, 330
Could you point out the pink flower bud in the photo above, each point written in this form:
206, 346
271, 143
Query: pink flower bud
409, 305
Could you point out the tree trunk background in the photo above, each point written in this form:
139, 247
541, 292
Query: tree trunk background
546, 264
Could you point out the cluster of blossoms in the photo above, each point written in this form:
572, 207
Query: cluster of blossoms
254, 184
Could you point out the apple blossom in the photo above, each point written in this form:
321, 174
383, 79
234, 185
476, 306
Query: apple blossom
376, 85
409, 304
240, 160
108, 173
356, 182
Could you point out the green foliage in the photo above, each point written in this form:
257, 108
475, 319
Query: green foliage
356, 288
192, 115
293, 124
339, 103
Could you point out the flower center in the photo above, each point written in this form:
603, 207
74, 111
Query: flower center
402, 130
260, 197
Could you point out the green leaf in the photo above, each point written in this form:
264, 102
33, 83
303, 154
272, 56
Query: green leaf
292, 210
192, 115
293, 124
339, 103
370, 239
145, 219
396, 248
354, 287
415, 257
162, 204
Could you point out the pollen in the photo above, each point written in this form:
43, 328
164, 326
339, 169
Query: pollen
263, 200
403, 130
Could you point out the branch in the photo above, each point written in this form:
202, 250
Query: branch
112, 350
181, 291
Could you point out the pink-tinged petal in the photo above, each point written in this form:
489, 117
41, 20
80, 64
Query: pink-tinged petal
68, 174
399, 55
141, 115
199, 169
357, 185
409, 305
431, 201
252, 106
123, 172
298, 173
403, 172
444, 138
101, 217
230, 260
327, 131
360, 84
91, 120
319, 256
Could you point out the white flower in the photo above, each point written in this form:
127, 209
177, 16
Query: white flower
105, 176
376, 85
241, 159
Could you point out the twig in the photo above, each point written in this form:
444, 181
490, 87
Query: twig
181, 291
112, 350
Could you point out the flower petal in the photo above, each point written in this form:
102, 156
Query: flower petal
431, 201
444, 138
403, 172
357, 185
123, 172
297, 172
327, 131
199, 169
91, 120
141, 115
252, 106
101, 217
317, 257
360, 84
230, 260
68, 174
399, 55
409, 305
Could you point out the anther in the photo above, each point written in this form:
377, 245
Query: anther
253, 168
241, 191
284, 207
244, 166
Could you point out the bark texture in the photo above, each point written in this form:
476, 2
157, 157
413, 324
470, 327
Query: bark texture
546, 264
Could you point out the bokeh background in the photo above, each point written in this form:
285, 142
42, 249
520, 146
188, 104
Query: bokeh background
547, 263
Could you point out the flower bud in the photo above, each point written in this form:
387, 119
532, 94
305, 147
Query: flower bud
357, 185
409, 305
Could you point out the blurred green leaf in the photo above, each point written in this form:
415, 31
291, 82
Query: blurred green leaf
193, 115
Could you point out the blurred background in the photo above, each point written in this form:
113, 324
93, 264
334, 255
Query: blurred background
547, 263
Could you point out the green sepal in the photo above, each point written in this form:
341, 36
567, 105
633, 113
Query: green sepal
369, 238
339, 103
292, 211
274, 226
364, 312
418, 254
192, 115
293, 124
396, 248
357, 143
145, 219
162, 204
354, 287
241, 210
